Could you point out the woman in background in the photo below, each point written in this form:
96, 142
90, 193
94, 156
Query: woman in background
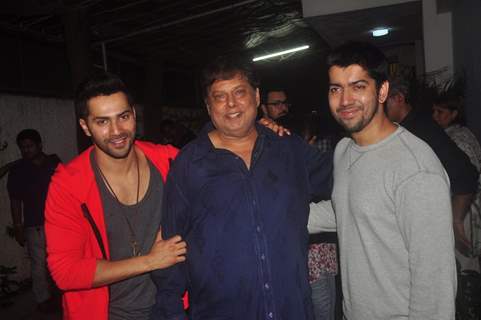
447, 112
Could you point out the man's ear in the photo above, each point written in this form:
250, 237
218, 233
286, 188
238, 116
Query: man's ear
258, 98
383, 92
454, 114
264, 110
135, 112
400, 97
207, 106
85, 128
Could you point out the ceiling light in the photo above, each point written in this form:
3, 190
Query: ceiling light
280, 53
379, 32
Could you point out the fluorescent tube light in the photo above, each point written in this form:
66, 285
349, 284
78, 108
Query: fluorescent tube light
280, 53
380, 32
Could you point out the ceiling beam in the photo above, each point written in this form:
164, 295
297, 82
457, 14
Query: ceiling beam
32, 33
175, 22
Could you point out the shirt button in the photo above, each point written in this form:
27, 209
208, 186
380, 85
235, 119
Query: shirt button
271, 315
263, 257
266, 285
253, 202
258, 229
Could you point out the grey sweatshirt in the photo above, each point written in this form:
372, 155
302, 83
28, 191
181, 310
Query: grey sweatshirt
394, 222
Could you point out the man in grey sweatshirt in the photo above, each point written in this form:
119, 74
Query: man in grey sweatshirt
391, 201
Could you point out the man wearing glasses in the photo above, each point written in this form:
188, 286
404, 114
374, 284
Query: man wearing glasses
275, 104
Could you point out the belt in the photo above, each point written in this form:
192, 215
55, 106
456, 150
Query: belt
323, 237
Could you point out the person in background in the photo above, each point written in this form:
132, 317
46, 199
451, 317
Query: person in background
175, 133
275, 104
448, 113
5, 168
27, 186
462, 174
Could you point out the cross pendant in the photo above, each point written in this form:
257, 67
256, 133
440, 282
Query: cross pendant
135, 248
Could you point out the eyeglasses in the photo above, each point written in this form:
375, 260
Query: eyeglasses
278, 103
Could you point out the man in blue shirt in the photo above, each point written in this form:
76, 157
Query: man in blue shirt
239, 195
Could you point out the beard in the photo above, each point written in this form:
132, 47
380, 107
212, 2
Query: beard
107, 147
360, 124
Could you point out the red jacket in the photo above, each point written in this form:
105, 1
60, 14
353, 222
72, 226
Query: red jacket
72, 248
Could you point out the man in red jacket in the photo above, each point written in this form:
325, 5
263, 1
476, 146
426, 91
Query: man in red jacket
103, 212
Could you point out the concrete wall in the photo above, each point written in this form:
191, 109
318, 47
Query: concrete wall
55, 120
467, 57
438, 41
312, 8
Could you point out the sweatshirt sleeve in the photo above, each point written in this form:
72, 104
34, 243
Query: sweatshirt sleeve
321, 217
424, 216
66, 241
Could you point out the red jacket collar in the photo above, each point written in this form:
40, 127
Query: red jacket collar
78, 176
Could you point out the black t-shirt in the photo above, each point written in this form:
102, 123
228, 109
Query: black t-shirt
29, 183
131, 298
462, 174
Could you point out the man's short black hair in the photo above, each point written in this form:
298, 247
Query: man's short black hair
29, 134
226, 68
98, 84
369, 57
265, 92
